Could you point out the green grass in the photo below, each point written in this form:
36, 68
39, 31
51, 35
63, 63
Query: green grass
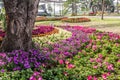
94, 22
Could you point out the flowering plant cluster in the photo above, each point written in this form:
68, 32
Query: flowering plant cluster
42, 18
44, 30
76, 20
92, 14
20, 59
55, 37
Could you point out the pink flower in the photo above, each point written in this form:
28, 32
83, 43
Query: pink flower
94, 47
43, 65
99, 37
95, 67
118, 55
110, 67
104, 76
36, 73
100, 64
69, 66
92, 60
67, 62
61, 61
94, 78
2, 55
106, 63
40, 78
119, 60
116, 44
98, 60
89, 78
100, 55
32, 78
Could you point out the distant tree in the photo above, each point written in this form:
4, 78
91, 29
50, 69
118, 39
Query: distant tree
73, 6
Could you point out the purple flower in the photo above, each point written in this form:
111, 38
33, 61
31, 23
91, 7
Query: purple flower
16, 68
2, 70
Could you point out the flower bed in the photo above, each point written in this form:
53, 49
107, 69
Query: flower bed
92, 14
76, 20
49, 19
38, 32
86, 55
55, 37
42, 18
43, 31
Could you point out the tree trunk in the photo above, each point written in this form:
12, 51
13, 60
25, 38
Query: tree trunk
102, 9
74, 9
117, 7
20, 22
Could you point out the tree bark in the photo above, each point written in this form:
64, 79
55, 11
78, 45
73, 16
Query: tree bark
20, 22
74, 9
102, 9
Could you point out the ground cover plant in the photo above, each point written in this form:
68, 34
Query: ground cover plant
76, 20
86, 54
42, 18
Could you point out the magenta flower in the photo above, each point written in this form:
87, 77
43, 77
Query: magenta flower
98, 60
99, 37
61, 61
92, 60
89, 78
110, 67
100, 56
3, 55
94, 78
40, 78
104, 76
94, 47
36, 73
70, 66
95, 67
32, 78
119, 60
67, 62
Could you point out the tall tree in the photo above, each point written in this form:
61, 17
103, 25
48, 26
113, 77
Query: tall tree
20, 22
73, 5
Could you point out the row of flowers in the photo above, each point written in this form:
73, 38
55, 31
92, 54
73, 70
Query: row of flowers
42, 18
76, 20
44, 30
64, 19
